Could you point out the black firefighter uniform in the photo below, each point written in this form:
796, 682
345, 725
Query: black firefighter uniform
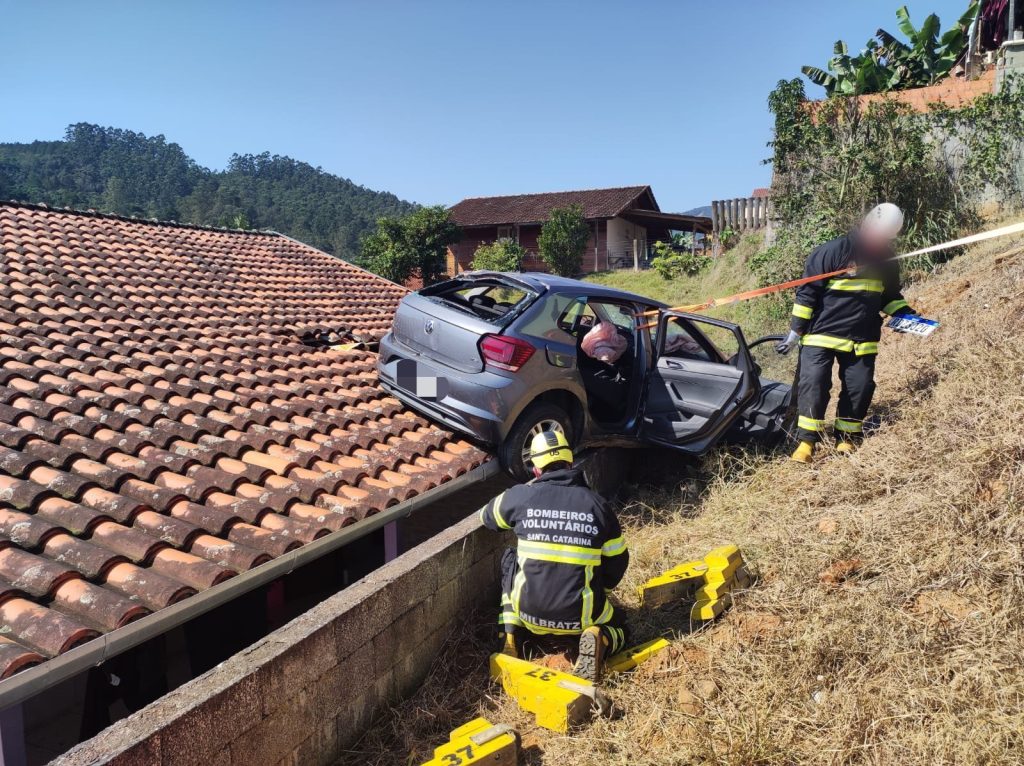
570, 551
840, 320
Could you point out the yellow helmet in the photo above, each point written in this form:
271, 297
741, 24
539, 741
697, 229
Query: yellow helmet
549, 447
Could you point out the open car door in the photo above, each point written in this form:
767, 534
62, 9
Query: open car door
694, 393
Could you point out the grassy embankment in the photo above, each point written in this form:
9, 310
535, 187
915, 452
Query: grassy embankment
727, 274
885, 625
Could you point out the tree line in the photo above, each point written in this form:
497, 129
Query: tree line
125, 172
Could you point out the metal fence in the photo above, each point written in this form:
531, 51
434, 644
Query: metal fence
741, 214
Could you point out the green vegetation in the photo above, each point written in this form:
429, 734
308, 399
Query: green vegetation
887, 63
563, 240
671, 262
120, 171
990, 133
415, 245
503, 255
728, 274
836, 159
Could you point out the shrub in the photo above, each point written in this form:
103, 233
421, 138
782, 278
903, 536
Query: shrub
728, 237
503, 255
563, 240
402, 247
672, 264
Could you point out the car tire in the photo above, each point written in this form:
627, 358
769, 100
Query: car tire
538, 416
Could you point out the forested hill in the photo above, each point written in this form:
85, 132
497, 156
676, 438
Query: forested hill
120, 171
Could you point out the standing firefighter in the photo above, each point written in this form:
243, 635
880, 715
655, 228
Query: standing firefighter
570, 553
839, 319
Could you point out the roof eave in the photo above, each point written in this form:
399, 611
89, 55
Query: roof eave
30, 682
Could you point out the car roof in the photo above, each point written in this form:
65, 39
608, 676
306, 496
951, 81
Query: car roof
562, 285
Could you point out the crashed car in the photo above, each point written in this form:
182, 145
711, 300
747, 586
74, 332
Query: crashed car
499, 357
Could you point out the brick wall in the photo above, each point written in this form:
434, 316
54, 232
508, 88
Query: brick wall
953, 92
306, 691
460, 255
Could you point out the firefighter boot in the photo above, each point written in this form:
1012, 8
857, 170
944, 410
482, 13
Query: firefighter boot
510, 647
845, 448
590, 662
803, 452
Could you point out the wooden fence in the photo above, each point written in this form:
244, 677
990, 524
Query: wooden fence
743, 214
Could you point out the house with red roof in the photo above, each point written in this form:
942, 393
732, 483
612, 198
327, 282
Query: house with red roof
623, 221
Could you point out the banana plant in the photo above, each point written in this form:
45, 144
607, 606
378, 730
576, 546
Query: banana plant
928, 57
888, 63
851, 75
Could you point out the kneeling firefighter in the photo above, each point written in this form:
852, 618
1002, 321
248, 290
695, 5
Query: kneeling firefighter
570, 551
838, 319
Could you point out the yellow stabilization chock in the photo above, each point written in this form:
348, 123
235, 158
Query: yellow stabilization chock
680, 583
630, 658
478, 741
559, 700
706, 585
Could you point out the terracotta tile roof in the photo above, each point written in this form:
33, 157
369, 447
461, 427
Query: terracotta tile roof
535, 208
163, 424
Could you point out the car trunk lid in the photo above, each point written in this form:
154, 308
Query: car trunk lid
445, 322
445, 335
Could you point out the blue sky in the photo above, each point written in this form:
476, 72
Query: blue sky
436, 100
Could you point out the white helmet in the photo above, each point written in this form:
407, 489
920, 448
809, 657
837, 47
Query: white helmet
885, 221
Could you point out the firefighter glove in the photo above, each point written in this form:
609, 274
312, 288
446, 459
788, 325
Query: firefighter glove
787, 345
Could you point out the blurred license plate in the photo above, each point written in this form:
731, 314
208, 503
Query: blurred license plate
419, 380
914, 325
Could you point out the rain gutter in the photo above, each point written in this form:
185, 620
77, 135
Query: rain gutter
28, 683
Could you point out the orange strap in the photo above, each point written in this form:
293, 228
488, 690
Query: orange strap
747, 295
744, 296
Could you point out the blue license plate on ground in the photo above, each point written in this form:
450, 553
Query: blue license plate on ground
914, 325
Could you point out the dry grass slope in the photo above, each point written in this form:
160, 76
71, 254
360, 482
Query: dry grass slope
886, 626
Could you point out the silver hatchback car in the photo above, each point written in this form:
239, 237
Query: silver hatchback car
497, 356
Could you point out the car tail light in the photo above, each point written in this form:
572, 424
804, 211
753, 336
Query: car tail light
505, 353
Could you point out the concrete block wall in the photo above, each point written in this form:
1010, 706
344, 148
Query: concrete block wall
308, 690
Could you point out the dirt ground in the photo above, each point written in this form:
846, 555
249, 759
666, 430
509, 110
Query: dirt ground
885, 625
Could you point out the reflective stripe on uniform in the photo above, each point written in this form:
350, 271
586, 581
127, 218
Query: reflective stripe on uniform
496, 510
587, 617
618, 640
827, 341
614, 546
849, 426
517, 586
559, 554
892, 307
856, 285
843, 345
810, 424
802, 312
540, 631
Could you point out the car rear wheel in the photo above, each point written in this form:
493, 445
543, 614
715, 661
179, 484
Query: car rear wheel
514, 452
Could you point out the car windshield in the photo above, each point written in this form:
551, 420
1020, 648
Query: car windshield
492, 300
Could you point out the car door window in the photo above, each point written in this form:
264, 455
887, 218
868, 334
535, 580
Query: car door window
554, 318
679, 342
619, 315
724, 341
577, 319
